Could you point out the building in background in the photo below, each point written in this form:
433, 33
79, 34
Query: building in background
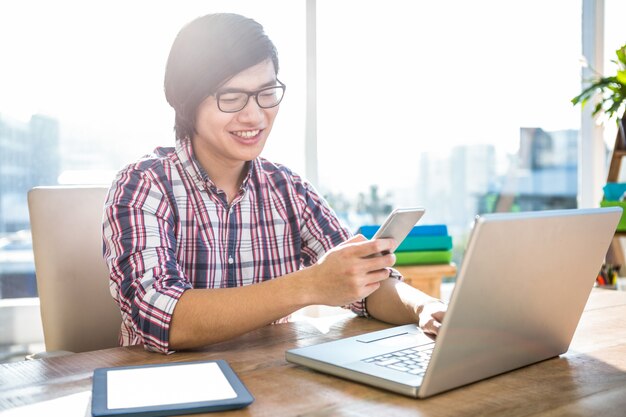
29, 156
454, 188
544, 175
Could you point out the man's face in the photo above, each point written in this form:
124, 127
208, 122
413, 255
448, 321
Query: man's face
239, 136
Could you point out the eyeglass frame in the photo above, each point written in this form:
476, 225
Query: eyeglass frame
255, 93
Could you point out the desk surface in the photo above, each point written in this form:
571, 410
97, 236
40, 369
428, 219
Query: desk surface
590, 379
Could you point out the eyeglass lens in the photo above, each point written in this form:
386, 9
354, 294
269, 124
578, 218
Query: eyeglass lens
237, 100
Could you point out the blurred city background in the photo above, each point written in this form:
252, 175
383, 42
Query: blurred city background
459, 107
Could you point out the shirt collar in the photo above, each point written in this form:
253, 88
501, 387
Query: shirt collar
184, 150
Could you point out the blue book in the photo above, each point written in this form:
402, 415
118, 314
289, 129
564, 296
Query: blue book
425, 243
422, 230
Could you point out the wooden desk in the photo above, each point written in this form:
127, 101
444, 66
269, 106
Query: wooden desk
589, 380
427, 278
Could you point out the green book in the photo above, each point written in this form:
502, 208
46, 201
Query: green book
425, 243
423, 257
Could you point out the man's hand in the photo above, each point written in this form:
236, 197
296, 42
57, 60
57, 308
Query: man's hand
349, 272
431, 316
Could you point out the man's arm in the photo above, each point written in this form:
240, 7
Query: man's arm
205, 316
343, 275
398, 303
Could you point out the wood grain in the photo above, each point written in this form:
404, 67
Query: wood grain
427, 278
590, 379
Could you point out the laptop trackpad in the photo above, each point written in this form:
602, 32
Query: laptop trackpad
412, 336
369, 338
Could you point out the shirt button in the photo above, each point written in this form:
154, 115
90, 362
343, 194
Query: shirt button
230, 260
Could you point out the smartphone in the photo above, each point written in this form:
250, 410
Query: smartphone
398, 224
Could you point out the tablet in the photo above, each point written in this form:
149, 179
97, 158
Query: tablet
166, 389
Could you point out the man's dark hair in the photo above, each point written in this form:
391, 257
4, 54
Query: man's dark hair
206, 53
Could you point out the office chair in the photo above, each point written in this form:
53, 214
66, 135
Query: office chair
77, 310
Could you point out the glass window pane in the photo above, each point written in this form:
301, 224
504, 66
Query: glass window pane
82, 95
614, 38
460, 107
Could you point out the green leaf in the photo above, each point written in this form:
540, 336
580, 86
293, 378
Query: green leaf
597, 109
621, 55
610, 91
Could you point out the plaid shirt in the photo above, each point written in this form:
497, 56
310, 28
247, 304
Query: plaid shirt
167, 228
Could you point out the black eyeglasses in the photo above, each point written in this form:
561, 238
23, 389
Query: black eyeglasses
234, 101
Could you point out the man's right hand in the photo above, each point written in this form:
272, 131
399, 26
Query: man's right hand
350, 271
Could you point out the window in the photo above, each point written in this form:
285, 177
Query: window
82, 95
460, 107
614, 38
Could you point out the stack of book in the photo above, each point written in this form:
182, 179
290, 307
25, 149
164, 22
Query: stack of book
614, 193
425, 244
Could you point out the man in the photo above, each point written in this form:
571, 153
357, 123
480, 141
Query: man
207, 240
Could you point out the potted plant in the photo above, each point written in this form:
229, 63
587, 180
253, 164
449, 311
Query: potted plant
610, 91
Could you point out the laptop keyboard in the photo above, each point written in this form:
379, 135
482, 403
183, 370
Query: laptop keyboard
412, 360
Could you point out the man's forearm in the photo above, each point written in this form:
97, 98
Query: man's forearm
396, 302
205, 316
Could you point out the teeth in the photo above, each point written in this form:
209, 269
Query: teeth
247, 133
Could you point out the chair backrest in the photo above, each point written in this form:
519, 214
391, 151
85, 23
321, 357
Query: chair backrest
77, 310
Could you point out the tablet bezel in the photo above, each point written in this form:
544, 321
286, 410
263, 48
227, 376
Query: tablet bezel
99, 394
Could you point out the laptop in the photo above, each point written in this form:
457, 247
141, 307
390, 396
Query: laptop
519, 294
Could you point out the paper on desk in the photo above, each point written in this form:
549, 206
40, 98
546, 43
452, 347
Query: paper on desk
324, 322
78, 405
188, 383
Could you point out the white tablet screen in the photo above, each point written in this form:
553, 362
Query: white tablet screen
163, 385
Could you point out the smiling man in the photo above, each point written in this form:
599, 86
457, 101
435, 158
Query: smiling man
207, 240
